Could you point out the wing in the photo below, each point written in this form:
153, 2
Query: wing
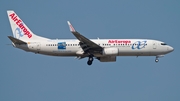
87, 45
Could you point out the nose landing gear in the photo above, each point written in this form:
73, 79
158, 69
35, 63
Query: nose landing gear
156, 60
158, 56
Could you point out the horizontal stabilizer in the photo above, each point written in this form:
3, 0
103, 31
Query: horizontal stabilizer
16, 41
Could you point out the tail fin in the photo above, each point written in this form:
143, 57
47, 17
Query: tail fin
19, 28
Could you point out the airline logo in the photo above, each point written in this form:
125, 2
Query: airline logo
18, 33
119, 41
139, 45
19, 23
71, 28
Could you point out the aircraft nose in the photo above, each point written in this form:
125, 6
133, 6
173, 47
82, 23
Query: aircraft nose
170, 49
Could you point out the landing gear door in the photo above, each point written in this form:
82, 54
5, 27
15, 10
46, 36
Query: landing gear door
154, 45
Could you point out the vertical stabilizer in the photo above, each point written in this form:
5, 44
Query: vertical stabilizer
19, 28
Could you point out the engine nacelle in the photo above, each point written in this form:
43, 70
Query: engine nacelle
110, 51
107, 59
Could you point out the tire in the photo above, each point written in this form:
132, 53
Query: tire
156, 60
89, 62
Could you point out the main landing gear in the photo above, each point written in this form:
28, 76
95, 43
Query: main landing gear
90, 60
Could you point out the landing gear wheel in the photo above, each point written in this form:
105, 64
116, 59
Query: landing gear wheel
156, 60
89, 62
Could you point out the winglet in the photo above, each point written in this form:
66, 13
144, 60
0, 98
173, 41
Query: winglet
71, 27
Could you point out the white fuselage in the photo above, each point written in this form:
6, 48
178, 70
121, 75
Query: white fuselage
126, 47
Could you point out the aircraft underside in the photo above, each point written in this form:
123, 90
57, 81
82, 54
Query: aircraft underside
101, 58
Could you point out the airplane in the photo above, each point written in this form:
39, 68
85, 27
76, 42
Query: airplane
104, 50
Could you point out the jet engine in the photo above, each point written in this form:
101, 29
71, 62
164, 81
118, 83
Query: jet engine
110, 51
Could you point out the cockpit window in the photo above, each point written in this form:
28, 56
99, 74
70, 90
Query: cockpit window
163, 44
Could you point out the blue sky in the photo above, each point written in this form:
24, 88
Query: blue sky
32, 77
